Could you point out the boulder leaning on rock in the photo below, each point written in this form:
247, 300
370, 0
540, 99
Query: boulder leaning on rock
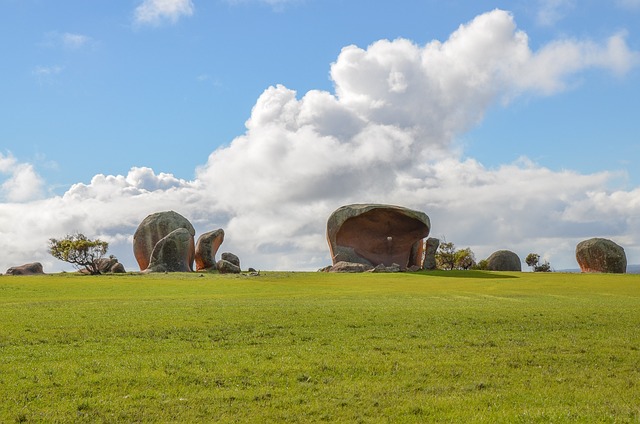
230, 257
601, 255
226, 267
172, 253
33, 268
154, 228
206, 249
504, 260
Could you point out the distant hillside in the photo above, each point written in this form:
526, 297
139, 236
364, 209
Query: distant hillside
631, 269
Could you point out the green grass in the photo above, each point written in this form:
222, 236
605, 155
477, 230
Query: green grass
311, 347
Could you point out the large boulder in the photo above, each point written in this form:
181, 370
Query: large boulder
372, 234
601, 255
504, 260
206, 248
33, 268
172, 253
154, 228
431, 247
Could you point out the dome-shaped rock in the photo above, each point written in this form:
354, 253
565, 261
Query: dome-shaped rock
373, 234
504, 260
601, 255
206, 248
154, 228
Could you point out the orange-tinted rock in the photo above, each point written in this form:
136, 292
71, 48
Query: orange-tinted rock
154, 228
206, 248
601, 255
373, 234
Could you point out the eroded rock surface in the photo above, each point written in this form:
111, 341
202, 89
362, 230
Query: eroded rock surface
154, 228
26, 269
206, 249
372, 234
601, 255
172, 253
431, 247
504, 260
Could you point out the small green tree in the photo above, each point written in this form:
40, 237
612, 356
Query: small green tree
533, 260
79, 251
446, 256
465, 259
482, 264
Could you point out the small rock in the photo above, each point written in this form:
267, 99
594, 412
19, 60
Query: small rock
230, 257
226, 267
379, 268
350, 267
394, 268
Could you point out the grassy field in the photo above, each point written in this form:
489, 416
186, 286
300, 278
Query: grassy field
308, 347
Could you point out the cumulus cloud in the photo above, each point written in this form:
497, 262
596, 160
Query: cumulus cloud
386, 135
22, 182
154, 12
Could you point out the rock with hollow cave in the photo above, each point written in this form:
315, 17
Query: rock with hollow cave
374, 234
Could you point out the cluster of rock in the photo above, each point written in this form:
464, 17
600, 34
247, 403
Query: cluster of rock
379, 238
601, 255
164, 242
110, 265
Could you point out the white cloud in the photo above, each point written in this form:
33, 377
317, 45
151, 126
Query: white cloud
46, 71
66, 40
552, 11
155, 12
387, 135
23, 183
74, 41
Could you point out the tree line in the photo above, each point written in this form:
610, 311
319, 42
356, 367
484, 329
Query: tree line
448, 257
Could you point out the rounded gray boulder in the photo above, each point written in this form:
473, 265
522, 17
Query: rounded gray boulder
504, 260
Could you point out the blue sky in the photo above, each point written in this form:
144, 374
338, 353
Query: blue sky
110, 89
